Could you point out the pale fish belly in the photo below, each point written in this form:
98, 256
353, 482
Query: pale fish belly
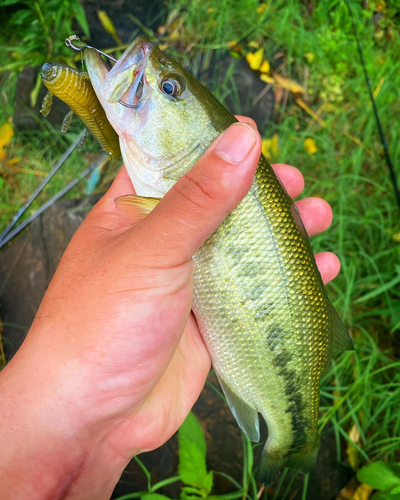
263, 312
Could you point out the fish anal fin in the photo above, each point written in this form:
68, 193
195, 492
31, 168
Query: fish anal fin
245, 415
341, 340
134, 208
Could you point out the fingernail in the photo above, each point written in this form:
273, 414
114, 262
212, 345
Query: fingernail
236, 143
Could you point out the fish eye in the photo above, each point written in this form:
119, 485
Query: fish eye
171, 86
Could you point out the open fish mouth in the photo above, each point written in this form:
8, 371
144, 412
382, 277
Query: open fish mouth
126, 81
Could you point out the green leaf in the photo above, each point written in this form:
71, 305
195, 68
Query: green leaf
35, 91
380, 475
208, 483
192, 453
165, 482
190, 489
4, 3
20, 17
80, 16
184, 496
155, 496
227, 496
191, 430
385, 496
1, 182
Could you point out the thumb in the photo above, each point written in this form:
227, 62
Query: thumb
199, 202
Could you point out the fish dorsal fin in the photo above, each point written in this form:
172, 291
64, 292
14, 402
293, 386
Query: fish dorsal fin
134, 208
297, 219
245, 415
341, 340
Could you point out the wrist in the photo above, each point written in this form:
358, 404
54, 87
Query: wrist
50, 449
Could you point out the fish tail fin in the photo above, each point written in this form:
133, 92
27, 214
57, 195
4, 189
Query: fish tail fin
270, 465
302, 460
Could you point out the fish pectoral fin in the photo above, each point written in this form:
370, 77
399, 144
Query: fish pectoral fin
134, 208
245, 415
341, 340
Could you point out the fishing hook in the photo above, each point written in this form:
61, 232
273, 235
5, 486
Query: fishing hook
68, 43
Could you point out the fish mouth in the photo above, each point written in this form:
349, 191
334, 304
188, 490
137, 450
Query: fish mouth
126, 81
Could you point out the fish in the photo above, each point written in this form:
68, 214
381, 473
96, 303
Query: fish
259, 299
75, 89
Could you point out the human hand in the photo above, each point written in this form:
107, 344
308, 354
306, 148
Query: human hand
114, 359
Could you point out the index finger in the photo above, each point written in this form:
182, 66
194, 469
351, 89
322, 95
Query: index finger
291, 178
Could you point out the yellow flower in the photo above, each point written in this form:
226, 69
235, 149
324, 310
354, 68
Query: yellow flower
310, 146
255, 59
265, 67
363, 492
6, 134
261, 8
309, 56
286, 83
252, 44
380, 6
267, 79
270, 147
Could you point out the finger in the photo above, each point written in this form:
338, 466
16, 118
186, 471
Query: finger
328, 264
316, 215
184, 379
199, 202
122, 185
246, 119
291, 178
105, 214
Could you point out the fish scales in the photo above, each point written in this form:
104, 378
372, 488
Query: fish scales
283, 308
259, 299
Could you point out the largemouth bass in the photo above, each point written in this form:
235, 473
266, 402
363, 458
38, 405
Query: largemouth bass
259, 299
75, 89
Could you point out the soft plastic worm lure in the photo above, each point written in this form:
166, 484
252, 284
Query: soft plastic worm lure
75, 89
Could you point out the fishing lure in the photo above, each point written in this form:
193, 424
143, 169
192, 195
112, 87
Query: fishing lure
75, 89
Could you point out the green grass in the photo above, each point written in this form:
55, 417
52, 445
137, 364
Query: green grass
360, 396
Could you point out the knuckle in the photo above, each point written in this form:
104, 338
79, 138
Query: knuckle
200, 191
